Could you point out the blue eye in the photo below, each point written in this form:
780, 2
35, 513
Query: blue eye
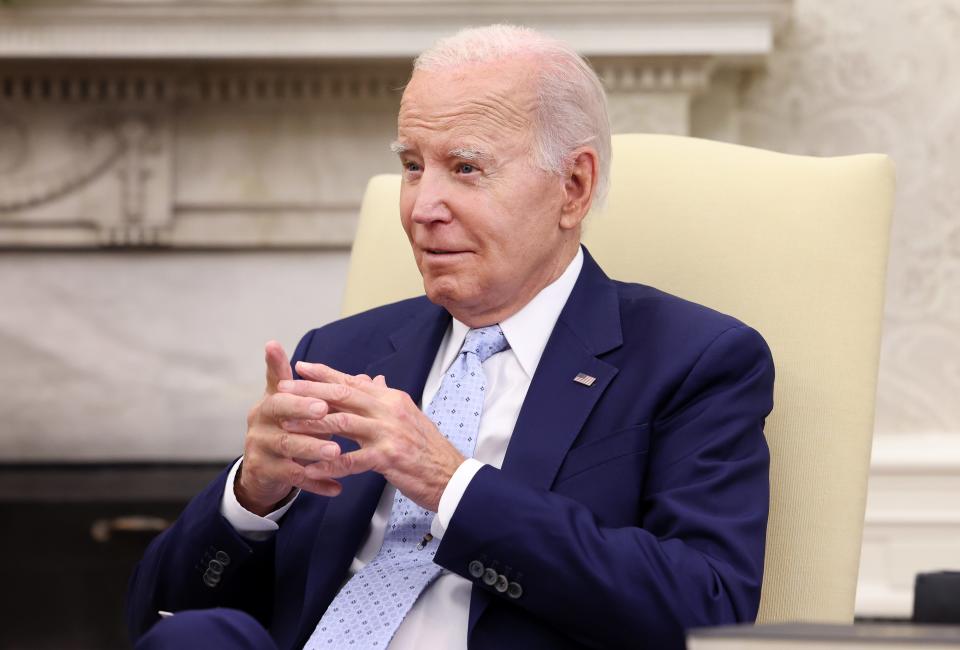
466, 168
411, 166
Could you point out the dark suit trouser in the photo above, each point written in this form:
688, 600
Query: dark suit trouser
201, 629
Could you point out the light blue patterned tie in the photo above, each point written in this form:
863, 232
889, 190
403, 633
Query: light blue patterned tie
371, 605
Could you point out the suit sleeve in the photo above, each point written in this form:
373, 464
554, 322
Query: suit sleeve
695, 556
201, 561
198, 563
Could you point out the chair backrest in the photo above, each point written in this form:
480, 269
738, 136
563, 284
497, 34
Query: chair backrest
796, 247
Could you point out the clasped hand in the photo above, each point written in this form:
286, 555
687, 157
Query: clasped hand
288, 437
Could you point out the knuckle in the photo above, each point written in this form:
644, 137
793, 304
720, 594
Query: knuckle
341, 391
313, 449
383, 458
296, 474
284, 443
267, 408
253, 414
405, 399
387, 455
399, 410
251, 460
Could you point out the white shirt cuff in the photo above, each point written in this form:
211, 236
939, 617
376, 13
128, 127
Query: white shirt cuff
452, 494
253, 527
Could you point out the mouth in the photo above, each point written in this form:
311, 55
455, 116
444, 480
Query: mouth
443, 252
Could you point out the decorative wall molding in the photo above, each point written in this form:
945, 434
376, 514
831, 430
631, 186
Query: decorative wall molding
668, 74
97, 149
103, 154
123, 84
109, 186
396, 29
654, 94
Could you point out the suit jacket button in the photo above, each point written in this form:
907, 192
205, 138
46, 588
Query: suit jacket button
514, 590
222, 558
501, 583
476, 568
210, 580
489, 577
215, 567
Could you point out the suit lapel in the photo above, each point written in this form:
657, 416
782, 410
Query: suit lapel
555, 409
556, 406
415, 346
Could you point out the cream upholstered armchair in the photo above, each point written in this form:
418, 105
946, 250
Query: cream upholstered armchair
794, 246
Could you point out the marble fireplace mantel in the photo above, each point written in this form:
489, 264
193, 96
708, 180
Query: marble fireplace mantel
363, 29
212, 125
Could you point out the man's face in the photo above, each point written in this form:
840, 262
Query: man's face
483, 220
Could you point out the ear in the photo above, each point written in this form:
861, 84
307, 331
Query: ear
579, 184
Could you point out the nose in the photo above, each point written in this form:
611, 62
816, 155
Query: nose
430, 204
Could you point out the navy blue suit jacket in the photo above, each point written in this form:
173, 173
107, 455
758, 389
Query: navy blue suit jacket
628, 510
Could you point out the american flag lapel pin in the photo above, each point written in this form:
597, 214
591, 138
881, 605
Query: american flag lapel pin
585, 379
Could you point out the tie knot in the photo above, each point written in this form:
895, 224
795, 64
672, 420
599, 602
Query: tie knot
485, 342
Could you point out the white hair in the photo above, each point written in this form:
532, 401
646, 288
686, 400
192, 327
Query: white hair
572, 106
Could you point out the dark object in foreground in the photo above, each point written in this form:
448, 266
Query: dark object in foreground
936, 598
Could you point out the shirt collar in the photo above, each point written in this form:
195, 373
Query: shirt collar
528, 330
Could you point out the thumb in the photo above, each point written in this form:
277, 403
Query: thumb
278, 365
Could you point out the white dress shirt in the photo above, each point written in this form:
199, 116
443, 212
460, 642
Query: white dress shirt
439, 617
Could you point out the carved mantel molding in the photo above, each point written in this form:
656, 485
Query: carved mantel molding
254, 123
377, 28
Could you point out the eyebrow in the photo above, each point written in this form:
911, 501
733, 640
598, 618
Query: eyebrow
463, 153
468, 153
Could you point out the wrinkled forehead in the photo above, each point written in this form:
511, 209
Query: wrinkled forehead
490, 102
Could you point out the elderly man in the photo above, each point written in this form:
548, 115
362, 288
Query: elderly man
588, 468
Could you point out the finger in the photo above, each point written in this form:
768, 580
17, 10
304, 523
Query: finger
302, 447
325, 374
293, 474
278, 365
322, 372
326, 487
285, 406
349, 425
341, 397
354, 462
380, 380
313, 427
282, 471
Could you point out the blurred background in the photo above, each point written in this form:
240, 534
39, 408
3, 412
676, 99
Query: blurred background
179, 183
